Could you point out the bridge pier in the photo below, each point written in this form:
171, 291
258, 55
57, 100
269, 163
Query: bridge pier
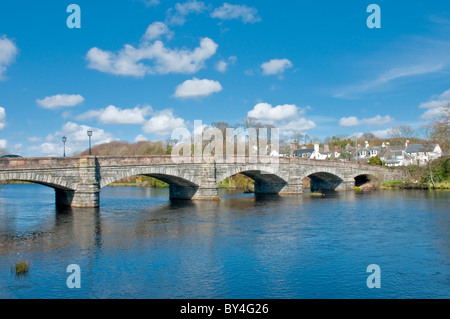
87, 198
346, 185
87, 192
293, 187
208, 188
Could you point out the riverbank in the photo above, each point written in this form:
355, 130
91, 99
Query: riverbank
434, 176
405, 184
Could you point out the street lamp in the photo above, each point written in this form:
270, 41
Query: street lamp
89, 133
64, 139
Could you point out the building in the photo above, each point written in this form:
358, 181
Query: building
421, 154
417, 154
303, 153
394, 155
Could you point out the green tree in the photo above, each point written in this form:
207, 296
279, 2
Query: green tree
375, 161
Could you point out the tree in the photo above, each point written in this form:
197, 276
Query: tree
298, 136
375, 161
250, 122
367, 137
440, 129
346, 156
341, 141
406, 131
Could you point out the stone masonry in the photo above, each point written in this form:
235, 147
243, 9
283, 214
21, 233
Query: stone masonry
78, 180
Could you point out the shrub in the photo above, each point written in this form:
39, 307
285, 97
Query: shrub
375, 161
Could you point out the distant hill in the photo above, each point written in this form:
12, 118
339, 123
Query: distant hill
119, 148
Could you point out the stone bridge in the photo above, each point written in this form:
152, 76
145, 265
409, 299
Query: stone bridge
78, 180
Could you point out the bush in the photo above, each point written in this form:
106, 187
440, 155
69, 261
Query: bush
440, 169
375, 161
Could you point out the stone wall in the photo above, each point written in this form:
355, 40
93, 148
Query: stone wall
78, 180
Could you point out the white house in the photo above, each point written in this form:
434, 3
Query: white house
421, 154
316, 153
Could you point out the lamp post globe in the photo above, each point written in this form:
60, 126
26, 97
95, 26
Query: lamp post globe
64, 140
89, 133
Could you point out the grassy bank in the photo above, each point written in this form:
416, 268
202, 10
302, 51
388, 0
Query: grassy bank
238, 181
434, 176
408, 184
140, 181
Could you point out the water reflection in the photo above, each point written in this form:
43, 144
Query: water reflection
140, 244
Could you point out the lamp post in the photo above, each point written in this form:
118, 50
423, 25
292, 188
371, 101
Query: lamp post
64, 140
89, 133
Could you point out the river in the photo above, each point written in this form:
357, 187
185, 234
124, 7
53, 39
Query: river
139, 244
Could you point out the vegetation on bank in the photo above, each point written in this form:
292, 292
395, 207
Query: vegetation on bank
140, 181
434, 176
239, 181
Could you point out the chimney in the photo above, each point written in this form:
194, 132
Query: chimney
407, 143
316, 148
367, 144
383, 145
336, 148
294, 145
326, 148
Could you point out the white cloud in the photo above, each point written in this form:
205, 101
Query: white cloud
60, 100
197, 88
248, 72
387, 133
116, 115
377, 120
34, 139
163, 123
434, 106
384, 79
156, 30
231, 11
77, 140
284, 117
2, 118
8, 52
276, 66
140, 138
150, 3
127, 61
222, 65
181, 10
265, 112
3, 144
349, 121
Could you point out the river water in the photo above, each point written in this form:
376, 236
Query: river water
139, 244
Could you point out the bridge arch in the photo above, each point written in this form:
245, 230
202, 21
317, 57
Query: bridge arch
181, 185
266, 179
363, 179
321, 181
46, 179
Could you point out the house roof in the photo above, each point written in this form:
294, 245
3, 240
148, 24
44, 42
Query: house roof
416, 148
303, 151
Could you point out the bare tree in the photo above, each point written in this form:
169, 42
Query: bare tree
367, 136
406, 131
441, 129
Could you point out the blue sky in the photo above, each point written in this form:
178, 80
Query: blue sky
137, 69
